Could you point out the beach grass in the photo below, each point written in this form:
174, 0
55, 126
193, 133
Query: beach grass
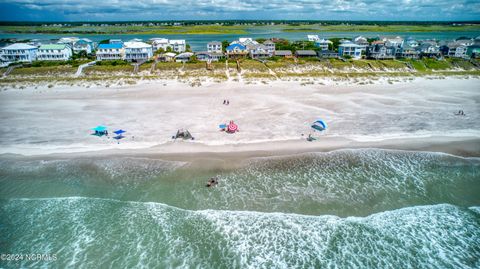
44, 70
436, 64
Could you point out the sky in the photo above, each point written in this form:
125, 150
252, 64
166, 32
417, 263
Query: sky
140, 10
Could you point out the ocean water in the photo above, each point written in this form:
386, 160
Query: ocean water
363, 208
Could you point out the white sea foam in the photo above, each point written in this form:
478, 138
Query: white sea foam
103, 232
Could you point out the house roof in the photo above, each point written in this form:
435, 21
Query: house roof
268, 42
110, 46
233, 46
168, 54
53, 47
19, 46
306, 52
178, 41
215, 43
350, 45
136, 45
283, 52
184, 55
324, 41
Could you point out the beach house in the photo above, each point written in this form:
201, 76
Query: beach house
209, 56
350, 49
159, 43
166, 57
454, 49
259, 51
137, 51
361, 40
113, 51
214, 46
305, 53
381, 52
312, 38
178, 45
396, 41
18, 52
54, 52
327, 54
429, 49
236, 51
407, 51
83, 44
270, 45
283, 53
184, 57
68, 40
323, 44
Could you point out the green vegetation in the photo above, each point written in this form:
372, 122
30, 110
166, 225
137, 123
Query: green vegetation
112, 63
436, 65
74, 63
44, 71
130, 29
294, 46
232, 27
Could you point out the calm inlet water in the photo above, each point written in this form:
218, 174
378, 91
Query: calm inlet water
344, 209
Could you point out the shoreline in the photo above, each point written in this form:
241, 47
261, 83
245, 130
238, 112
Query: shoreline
466, 147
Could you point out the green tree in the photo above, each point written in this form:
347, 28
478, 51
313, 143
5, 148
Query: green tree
225, 44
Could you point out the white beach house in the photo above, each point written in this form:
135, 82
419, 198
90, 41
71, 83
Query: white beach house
178, 45
18, 52
137, 51
323, 44
159, 43
348, 48
163, 43
54, 52
214, 46
113, 51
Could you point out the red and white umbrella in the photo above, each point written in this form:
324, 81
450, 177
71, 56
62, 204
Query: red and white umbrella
232, 127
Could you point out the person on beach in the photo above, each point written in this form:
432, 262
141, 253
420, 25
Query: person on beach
228, 102
224, 101
212, 182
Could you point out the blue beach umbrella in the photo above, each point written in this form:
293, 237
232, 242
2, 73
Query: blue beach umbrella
319, 125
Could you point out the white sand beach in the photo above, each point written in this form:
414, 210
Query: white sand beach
270, 116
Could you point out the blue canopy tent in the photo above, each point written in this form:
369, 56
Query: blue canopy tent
119, 134
319, 125
100, 130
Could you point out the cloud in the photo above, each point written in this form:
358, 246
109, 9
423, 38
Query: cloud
84, 10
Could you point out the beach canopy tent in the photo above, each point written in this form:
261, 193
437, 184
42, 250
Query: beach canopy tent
319, 125
119, 132
185, 134
100, 130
